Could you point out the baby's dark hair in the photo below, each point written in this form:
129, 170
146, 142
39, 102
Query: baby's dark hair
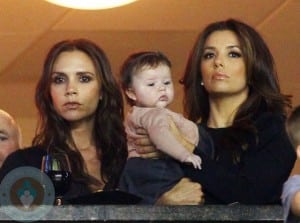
138, 61
293, 126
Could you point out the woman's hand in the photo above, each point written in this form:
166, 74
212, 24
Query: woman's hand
175, 131
145, 147
185, 192
147, 150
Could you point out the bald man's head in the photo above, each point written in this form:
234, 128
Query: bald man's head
10, 135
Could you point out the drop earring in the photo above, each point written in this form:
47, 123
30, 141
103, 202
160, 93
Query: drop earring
202, 84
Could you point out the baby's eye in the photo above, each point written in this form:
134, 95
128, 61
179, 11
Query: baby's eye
208, 55
150, 84
235, 54
3, 138
167, 82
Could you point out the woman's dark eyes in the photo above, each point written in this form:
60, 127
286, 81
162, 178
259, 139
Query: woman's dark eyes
62, 79
208, 55
85, 79
58, 79
235, 54
231, 54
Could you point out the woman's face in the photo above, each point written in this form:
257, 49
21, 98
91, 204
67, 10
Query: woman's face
75, 87
222, 65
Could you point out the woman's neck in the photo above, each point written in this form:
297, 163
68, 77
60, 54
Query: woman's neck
223, 110
82, 134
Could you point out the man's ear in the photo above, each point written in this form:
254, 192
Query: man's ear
130, 93
298, 151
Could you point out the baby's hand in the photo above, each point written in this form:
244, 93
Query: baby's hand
194, 160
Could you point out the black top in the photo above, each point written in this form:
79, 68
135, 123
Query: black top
33, 157
258, 176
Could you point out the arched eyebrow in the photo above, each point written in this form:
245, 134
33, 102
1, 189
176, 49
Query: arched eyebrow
85, 72
228, 47
57, 73
77, 73
234, 46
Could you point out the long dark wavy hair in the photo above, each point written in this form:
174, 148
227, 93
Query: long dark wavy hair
109, 133
262, 80
261, 74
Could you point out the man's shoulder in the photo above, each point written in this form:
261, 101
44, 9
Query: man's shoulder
30, 156
33, 151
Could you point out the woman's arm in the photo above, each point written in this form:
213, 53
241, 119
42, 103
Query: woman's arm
185, 192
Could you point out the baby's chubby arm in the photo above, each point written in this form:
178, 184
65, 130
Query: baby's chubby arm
160, 127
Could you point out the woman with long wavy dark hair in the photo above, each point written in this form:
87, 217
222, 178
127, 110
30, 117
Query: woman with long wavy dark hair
81, 113
232, 92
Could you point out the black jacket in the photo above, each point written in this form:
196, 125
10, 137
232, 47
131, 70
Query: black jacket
258, 177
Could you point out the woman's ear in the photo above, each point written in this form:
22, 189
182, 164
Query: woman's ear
298, 151
130, 94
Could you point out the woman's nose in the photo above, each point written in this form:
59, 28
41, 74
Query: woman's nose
71, 89
219, 61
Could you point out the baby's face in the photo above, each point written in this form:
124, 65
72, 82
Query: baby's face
152, 87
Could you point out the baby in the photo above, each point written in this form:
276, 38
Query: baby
148, 87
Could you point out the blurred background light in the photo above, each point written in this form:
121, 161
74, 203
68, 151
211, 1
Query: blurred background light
90, 4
